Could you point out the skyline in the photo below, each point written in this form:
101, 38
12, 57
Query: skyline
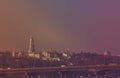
77, 25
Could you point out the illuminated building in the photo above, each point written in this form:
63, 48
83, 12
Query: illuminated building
107, 53
31, 48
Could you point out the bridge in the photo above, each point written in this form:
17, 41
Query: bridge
61, 72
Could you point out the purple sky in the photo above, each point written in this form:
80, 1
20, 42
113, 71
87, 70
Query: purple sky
91, 25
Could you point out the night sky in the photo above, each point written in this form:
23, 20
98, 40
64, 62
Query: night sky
90, 25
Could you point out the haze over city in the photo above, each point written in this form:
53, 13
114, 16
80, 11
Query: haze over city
77, 25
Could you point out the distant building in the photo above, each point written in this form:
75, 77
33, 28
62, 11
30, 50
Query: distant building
13, 53
46, 55
34, 55
50, 55
31, 48
6, 54
66, 53
107, 53
17, 53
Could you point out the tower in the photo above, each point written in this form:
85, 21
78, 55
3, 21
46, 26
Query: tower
31, 48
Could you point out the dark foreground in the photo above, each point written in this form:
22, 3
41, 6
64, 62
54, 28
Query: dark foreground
58, 75
95, 71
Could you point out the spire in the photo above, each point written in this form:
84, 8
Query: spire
31, 48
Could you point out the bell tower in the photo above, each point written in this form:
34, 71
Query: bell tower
31, 47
